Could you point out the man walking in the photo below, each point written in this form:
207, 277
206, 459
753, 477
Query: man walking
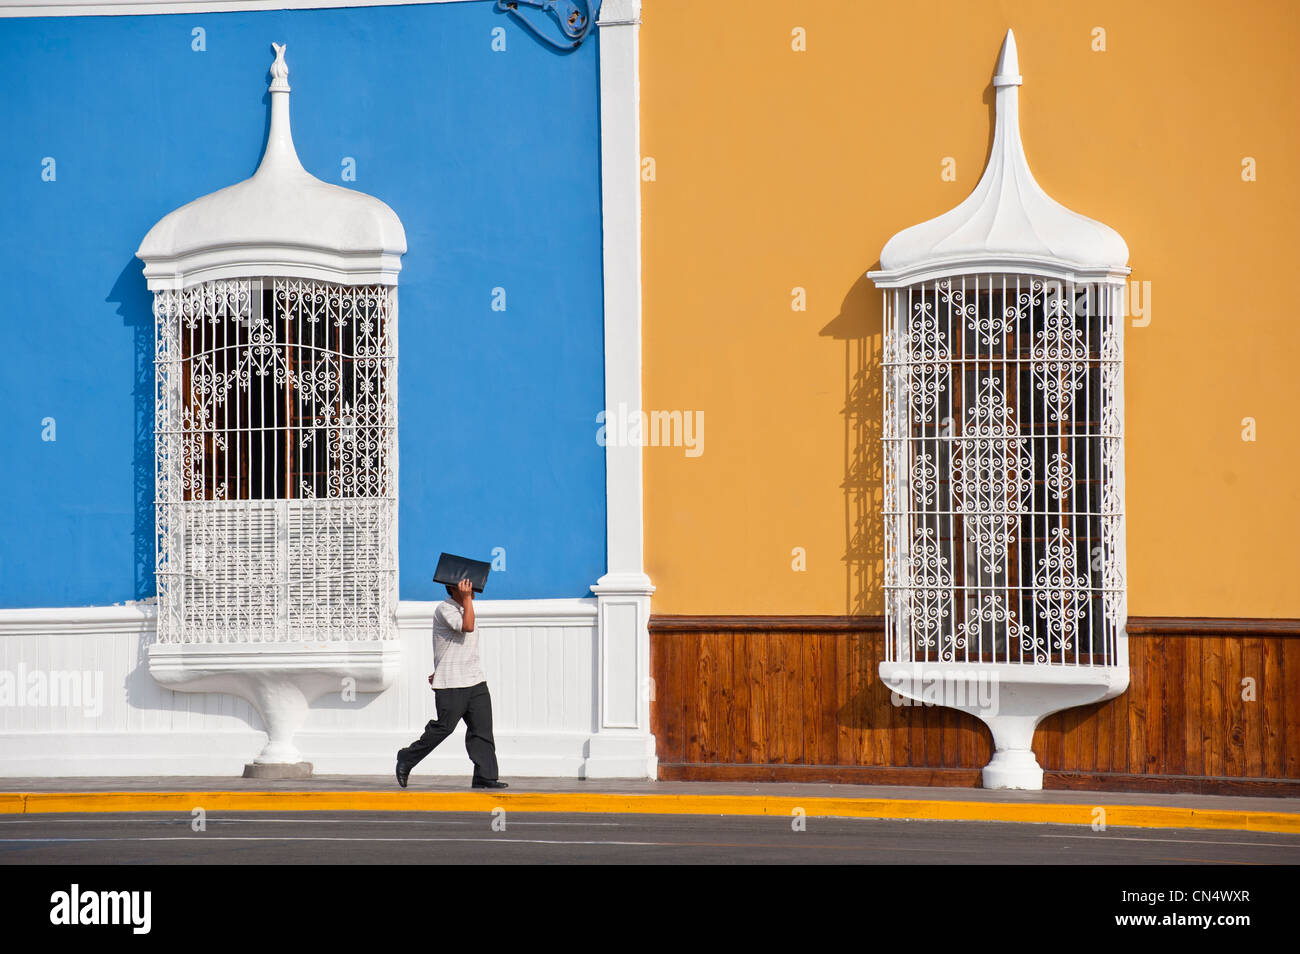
460, 691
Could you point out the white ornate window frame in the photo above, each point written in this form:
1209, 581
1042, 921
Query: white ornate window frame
1003, 454
276, 440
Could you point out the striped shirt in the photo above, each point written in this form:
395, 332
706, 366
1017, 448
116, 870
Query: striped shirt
455, 653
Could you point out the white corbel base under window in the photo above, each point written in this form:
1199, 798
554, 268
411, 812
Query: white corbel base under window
280, 682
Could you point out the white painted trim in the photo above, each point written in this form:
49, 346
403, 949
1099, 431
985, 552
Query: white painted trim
623, 743
998, 265
622, 673
619, 13
74, 620
71, 620
108, 8
177, 273
620, 156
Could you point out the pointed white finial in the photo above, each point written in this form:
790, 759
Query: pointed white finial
280, 154
1008, 71
279, 70
1007, 223
281, 221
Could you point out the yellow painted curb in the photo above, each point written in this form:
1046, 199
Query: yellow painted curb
1120, 816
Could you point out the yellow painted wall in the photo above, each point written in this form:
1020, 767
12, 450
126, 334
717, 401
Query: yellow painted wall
776, 169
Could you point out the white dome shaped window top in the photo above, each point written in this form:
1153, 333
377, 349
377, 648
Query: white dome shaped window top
1003, 464
282, 221
1008, 223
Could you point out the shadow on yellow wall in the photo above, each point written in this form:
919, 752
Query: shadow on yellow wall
859, 325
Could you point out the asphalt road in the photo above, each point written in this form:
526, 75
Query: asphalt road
532, 838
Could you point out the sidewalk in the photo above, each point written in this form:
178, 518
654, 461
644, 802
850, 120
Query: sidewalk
336, 793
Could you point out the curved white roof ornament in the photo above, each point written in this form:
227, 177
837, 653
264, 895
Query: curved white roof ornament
1008, 223
1002, 357
282, 221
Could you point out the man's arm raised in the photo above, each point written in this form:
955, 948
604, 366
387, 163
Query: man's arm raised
466, 590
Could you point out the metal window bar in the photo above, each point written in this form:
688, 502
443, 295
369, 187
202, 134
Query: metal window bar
275, 438
1003, 471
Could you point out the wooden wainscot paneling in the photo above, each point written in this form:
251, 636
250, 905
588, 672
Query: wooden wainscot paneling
798, 698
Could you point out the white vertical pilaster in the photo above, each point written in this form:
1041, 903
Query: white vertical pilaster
622, 744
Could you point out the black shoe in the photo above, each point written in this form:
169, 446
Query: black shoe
403, 772
484, 783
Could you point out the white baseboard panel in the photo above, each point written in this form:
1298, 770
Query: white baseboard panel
90, 754
224, 754
540, 656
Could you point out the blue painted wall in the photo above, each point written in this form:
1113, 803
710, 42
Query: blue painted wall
492, 161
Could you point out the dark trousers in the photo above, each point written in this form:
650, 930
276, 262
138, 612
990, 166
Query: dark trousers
474, 705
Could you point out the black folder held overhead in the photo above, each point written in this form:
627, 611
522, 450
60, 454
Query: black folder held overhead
453, 569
